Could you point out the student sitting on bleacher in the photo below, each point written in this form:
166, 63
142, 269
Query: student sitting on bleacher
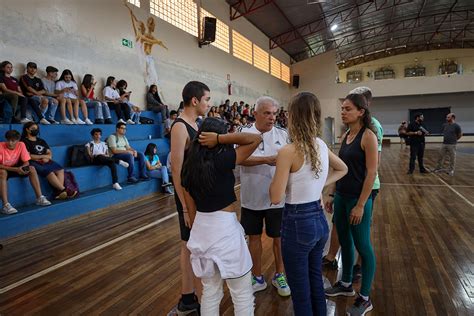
41, 159
114, 100
156, 169
67, 86
155, 104
11, 90
14, 163
121, 149
134, 110
33, 88
6, 110
100, 156
49, 83
102, 110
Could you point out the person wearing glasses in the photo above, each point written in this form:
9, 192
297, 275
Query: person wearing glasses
120, 148
256, 174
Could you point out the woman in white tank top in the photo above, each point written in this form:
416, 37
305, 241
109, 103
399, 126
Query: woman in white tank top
303, 168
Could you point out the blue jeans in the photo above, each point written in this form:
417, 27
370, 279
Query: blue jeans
162, 174
304, 233
52, 108
127, 157
101, 109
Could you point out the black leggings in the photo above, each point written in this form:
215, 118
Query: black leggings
121, 109
110, 162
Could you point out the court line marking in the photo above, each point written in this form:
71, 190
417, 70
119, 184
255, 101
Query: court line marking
456, 192
88, 252
425, 185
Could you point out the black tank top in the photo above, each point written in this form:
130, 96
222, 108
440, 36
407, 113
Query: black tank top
192, 134
354, 157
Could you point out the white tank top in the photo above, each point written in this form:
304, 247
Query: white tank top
303, 186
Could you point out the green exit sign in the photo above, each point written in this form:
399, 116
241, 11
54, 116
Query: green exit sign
127, 43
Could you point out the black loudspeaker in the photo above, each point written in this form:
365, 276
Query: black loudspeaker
296, 81
209, 32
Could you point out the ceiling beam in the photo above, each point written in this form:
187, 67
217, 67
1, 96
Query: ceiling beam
244, 7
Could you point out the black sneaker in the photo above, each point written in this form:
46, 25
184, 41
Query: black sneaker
330, 264
188, 309
98, 121
424, 171
338, 289
108, 121
356, 273
132, 180
360, 307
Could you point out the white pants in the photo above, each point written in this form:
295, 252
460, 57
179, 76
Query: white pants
240, 290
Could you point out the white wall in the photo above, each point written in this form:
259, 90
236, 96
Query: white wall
86, 35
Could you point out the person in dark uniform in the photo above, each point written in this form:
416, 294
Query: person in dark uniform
417, 133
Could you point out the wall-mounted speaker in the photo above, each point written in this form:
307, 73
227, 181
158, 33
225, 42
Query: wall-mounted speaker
296, 81
209, 30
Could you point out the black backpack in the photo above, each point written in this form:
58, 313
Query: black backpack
146, 120
78, 156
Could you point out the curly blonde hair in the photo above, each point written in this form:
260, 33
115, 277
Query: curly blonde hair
304, 126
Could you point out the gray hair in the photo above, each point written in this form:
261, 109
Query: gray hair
265, 99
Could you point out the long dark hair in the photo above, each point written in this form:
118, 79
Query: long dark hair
360, 102
24, 132
121, 86
150, 151
87, 81
65, 73
197, 175
109, 80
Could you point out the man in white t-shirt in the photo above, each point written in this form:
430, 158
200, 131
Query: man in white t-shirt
256, 174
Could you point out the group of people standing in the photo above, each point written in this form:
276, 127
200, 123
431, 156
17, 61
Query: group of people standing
282, 178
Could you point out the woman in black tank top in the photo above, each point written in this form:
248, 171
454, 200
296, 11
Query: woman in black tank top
352, 202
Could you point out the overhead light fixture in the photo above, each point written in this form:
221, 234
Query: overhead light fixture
334, 27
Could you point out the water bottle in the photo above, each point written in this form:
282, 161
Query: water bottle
149, 136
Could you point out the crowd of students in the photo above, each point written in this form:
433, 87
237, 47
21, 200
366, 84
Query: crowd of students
43, 96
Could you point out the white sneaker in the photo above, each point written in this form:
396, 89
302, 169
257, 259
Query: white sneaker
120, 121
9, 209
280, 283
67, 121
25, 120
80, 122
129, 121
116, 186
123, 163
44, 121
258, 284
88, 122
42, 201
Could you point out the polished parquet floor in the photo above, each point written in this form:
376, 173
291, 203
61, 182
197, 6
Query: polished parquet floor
124, 260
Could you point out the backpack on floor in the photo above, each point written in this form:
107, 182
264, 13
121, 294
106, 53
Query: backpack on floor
146, 120
78, 156
70, 182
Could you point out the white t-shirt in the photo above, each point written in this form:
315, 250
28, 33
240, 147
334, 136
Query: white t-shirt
111, 93
98, 148
71, 84
255, 181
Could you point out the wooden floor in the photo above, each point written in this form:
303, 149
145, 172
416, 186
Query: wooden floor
423, 235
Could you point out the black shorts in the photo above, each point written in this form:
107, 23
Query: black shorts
183, 229
252, 221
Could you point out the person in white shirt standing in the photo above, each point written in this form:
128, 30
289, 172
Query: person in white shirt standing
256, 174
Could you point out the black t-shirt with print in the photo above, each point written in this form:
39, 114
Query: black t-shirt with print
38, 147
34, 83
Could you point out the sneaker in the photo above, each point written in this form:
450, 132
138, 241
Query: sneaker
116, 186
52, 121
168, 190
258, 283
129, 121
67, 121
88, 122
108, 121
80, 122
333, 265
356, 273
360, 307
74, 121
279, 282
9, 209
132, 180
187, 309
123, 163
166, 184
120, 121
42, 201
98, 121
62, 195
338, 289
44, 121
25, 120
71, 194
144, 178
424, 171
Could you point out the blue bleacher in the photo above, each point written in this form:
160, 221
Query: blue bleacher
94, 182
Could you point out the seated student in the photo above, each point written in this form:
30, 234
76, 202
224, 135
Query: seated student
169, 121
66, 85
11, 90
156, 169
6, 110
49, 84
135, 110
102, 110
116, 101
100, 155
14, 163
121, 149
41, 160
154, 103
33, 88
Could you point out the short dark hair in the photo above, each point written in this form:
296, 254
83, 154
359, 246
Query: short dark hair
51, 69
95, 130
194, 89
12, 135
31, 65
173, 112
417, 115
120, 124
454, 116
